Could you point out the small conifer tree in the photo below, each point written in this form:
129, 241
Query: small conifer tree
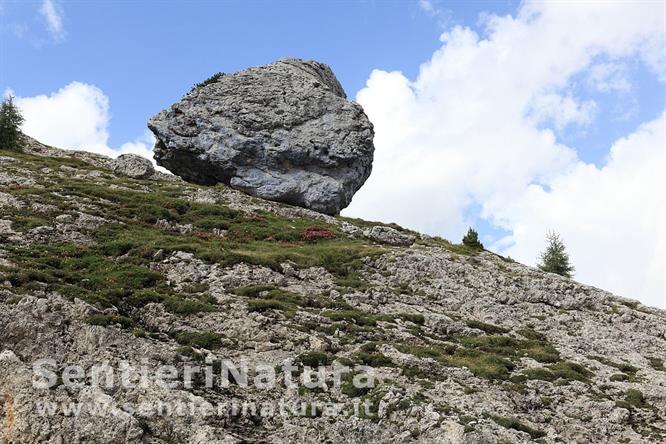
471, 239
556, 259
10, 123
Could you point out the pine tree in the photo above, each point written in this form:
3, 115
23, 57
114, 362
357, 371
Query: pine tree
471, 239
556, 259
10, 122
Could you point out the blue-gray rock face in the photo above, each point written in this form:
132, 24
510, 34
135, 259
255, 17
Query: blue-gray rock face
284, 132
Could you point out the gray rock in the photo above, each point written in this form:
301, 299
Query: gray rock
390, 236
282, 132
6, 227
166, 225
9, 201
134, 166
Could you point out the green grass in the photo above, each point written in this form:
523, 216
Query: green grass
491, 357
208, 340
267, 297
564, 370
570, 371
417, 319
530, 333
106, 320
370, 356
94, 273
354, 281
23, 222
511, 347
511, 423
623, 367
251, 291
482, 364
315, 359
633, 398
365, 319
348, 388
657, 363
262, 305
374, 359
460, 249
38, 162
542, 374
262, 238
487, 328
86, 273
620, 377
186, 306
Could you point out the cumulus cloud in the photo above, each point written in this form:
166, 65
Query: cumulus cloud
561, 111
609, 77
612, 218
475, 130
77, 117
52, 14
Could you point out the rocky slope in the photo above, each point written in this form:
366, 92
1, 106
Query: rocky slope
467, 346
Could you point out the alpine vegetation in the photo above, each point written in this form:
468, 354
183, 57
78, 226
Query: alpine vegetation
136, 307
555, 258
10, 124
471, 239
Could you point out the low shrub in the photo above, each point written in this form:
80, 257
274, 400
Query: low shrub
208, 340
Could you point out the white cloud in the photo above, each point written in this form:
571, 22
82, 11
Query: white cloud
609, 77
561, 111
434, 8
427, 6
76, 117
52, 13
612, 218
469, 131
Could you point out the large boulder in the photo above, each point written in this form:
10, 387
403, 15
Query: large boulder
133, 166
283, 132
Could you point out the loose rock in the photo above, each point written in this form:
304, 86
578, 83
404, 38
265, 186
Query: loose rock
134, 166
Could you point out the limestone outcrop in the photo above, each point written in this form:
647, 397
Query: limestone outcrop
283, 132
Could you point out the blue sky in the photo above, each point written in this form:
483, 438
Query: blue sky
144, 55
513, 117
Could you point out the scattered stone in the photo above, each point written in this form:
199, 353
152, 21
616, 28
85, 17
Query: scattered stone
134, 166
166, 225
89, 221
390, 236
6, 227
64, 219
9, 201
43, 208
159, 255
